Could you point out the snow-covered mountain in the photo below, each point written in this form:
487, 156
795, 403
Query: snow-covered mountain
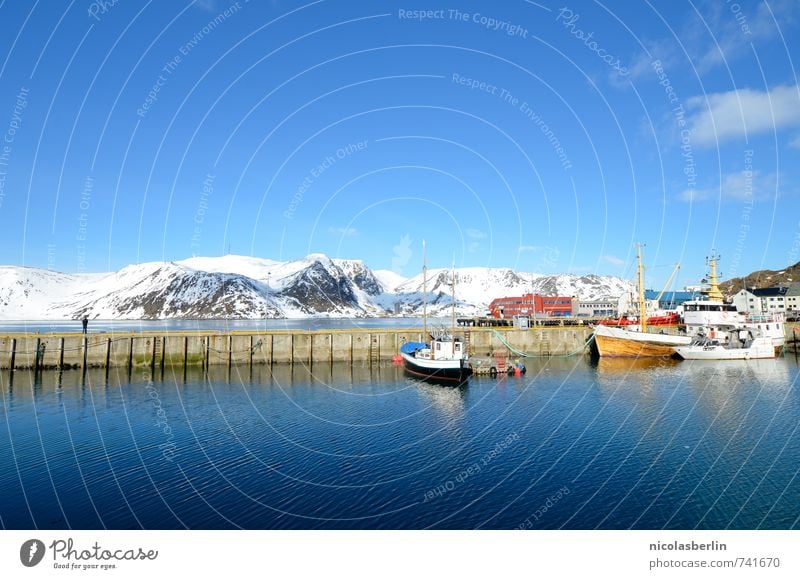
239, 287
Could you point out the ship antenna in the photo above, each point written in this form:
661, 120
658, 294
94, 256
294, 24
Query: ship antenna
453, 268
424, 292
640, 272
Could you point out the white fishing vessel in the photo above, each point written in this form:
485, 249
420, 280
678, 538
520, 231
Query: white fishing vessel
714, 319
445, 357
738, 344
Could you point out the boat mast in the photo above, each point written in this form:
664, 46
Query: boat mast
713, 292
453, 268
424, 292
640, 272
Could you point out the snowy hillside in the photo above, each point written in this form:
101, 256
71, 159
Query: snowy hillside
239, 287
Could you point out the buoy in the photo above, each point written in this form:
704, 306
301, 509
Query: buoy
397, 359
517, 371
493, 372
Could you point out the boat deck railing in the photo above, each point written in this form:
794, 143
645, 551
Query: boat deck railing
765, 318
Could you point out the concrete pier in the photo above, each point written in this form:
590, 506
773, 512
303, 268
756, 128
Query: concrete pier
205, 349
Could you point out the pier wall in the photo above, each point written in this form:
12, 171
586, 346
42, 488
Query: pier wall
140, 350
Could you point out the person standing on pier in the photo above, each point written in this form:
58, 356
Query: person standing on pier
85, 323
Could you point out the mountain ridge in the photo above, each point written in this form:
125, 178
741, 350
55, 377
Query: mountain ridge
762, 279
241, 287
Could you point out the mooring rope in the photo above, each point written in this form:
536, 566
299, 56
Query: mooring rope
65, 349
246, 351
527, 355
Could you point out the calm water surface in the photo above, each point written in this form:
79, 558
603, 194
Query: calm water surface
573, 444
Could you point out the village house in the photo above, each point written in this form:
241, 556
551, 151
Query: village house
761, 300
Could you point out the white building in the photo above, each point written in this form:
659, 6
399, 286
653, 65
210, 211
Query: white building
793, 298
599, 308
764, 300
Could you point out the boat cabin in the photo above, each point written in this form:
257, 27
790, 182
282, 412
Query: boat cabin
446, 348
708, 307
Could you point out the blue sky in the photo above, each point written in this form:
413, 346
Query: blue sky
542, 136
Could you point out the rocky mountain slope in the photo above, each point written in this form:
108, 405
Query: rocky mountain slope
238, 287
761, 279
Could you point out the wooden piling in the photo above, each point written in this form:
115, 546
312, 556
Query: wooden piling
61, 353
37, 355
108, 357
13, 353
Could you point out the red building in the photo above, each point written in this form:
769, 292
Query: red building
510, 307
530, 304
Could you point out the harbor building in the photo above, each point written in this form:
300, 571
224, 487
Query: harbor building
761, 300
669, 300
533, 305
600, 308
792, 298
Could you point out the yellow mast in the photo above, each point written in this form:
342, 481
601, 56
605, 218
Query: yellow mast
713, 292
640, 272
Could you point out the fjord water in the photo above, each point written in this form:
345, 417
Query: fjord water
574, 444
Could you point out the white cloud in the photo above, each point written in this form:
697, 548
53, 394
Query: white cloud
207, 5
528, 248
737, 27
473, 247
613, 260
475, 234
343, 231
744, 186
795, 143
713, 34
641, 64
720, 116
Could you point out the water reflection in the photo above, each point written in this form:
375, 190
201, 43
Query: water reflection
642, 443
446, 400
611, 367
770, 373
643, 374
342, 375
